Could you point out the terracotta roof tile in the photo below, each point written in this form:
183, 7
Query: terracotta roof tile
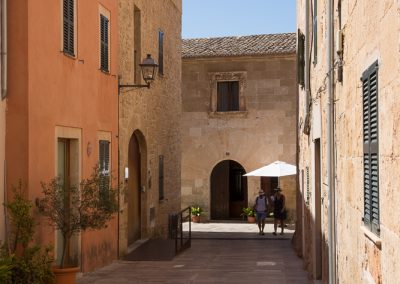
239, 46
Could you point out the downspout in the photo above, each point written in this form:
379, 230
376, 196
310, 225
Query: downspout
3, 95
307, 93
4, 49
307, 62
330, 150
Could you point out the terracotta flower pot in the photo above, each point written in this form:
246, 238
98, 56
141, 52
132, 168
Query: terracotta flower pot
196, 219
65, 275
251, 219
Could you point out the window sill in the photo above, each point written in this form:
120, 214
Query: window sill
374, 238
69, 55
106, 72
220, 114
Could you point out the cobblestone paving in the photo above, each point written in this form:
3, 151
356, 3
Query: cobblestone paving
219, 259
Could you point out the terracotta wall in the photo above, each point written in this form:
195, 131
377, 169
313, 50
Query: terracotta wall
262, 132
48, 89
370, 34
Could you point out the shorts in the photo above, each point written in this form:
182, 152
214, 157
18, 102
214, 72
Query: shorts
261, 215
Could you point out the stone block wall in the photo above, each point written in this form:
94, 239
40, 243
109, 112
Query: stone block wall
154, 112
263, 131
369, 34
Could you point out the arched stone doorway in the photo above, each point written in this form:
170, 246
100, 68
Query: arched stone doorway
136, 170
228, 190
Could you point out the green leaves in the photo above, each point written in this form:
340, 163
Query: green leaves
23, 262
19, 210
78, 208
248, 211
196, 210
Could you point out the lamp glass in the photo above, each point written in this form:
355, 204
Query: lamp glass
148, 73
149, 67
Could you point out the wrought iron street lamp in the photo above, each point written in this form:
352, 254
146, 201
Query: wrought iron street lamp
149, 71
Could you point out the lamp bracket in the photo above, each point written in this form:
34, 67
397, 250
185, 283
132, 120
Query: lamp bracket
134, 86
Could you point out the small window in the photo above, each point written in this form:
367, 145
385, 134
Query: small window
161, 177
68, 27
161, 52
228, 96
104, 43
370, 144
104, 166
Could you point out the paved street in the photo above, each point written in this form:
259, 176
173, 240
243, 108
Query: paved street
234, 253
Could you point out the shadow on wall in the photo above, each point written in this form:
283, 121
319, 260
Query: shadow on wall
310, 239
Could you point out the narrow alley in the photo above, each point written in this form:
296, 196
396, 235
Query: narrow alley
220, 253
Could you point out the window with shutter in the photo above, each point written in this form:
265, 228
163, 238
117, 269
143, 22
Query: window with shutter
228, 96
161, 177
300, 58
370, 143
104, 166
68, 27
315, 30
161, 52
104, 43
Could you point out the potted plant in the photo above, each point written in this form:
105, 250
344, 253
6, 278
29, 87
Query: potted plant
249, 212
196, 213
72, 209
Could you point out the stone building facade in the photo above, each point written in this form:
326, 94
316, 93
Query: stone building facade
149, 118
62, 105
349, 153
239, 114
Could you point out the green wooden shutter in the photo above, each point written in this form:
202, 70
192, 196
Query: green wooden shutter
371, 154
300, 57
104, 23
68, 27
315, 31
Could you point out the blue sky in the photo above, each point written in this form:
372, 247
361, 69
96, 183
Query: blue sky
215, 18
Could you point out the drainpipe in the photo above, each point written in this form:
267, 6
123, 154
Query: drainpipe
330, 151
307, 92
307, 62
3, 91
3, 49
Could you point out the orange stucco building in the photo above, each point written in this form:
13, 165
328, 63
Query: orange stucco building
63, 103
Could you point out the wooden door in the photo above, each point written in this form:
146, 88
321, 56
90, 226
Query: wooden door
134, 217
220, 191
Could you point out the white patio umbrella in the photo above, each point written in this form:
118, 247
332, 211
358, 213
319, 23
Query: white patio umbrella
275, 169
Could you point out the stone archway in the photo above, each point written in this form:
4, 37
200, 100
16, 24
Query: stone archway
228, 190
136, 171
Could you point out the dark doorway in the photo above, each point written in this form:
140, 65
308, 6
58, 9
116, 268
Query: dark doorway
228, 190
268, 184
134, 204
318, 213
